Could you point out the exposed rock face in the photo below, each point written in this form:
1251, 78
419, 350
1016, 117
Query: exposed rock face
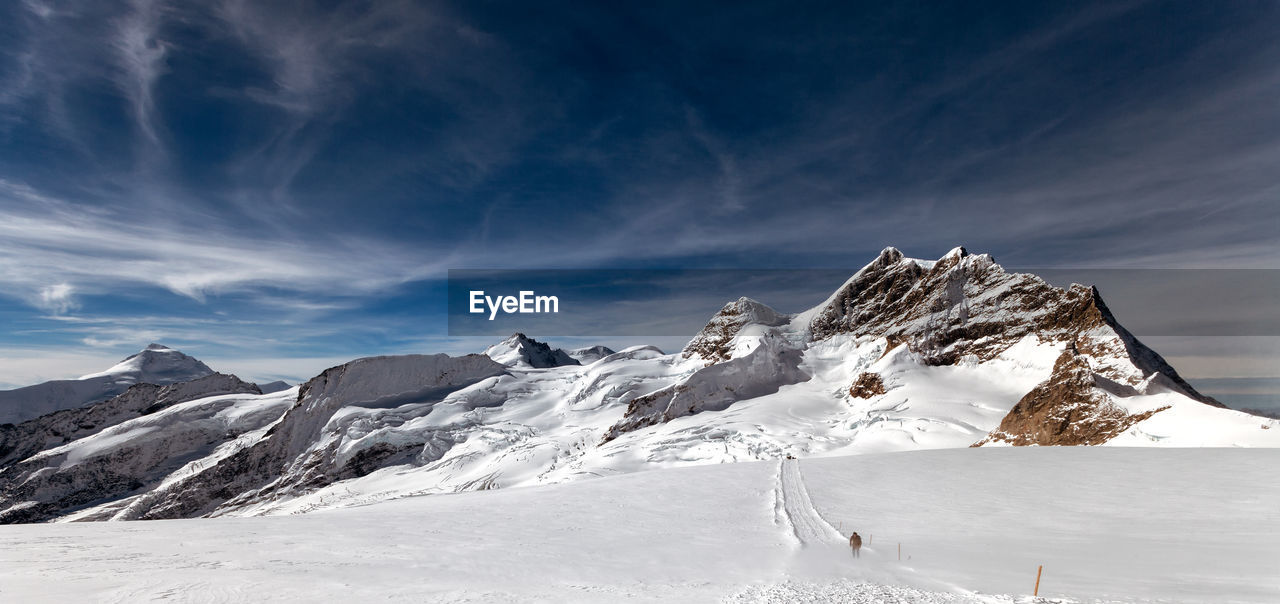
712, 342
275, 386
867, 385
766, 368
964, 304
961, 304
303, 450
41, 478
17, 442
1066, 409
520, 350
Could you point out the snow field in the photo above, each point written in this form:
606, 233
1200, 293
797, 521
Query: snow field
1185, 525
1121, 524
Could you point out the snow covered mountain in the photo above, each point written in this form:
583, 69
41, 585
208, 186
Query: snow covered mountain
590, 354
156, 364
311, 445
521, 351
75, 458
906, 355
961, 310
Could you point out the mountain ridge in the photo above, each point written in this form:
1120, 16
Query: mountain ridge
906, 355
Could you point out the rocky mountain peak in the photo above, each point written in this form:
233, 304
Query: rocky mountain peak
887, 257
712, 342
957, 305
519, 350
967, 305
961, 307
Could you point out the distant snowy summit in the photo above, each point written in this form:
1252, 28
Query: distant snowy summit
521, 351
156, 364
907, 354
590, 354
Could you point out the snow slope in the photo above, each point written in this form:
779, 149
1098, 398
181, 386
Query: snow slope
1108, 524
18, 442
100, 476
156, 364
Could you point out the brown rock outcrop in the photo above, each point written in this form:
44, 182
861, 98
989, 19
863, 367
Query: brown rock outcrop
1066, 409
867, 385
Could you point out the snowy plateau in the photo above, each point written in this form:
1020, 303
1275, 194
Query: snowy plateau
926, 404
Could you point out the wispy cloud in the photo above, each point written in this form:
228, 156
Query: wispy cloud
293, 165
309, 52
141, 55
48, 245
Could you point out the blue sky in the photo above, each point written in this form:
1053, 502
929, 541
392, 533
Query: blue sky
275, 187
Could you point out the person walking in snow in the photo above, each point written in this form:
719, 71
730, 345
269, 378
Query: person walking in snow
855, 544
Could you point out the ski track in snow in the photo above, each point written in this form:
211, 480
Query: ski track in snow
794, 508
806, 525
854, 592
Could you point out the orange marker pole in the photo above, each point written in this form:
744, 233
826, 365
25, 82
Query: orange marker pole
1038, 571
899, 551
